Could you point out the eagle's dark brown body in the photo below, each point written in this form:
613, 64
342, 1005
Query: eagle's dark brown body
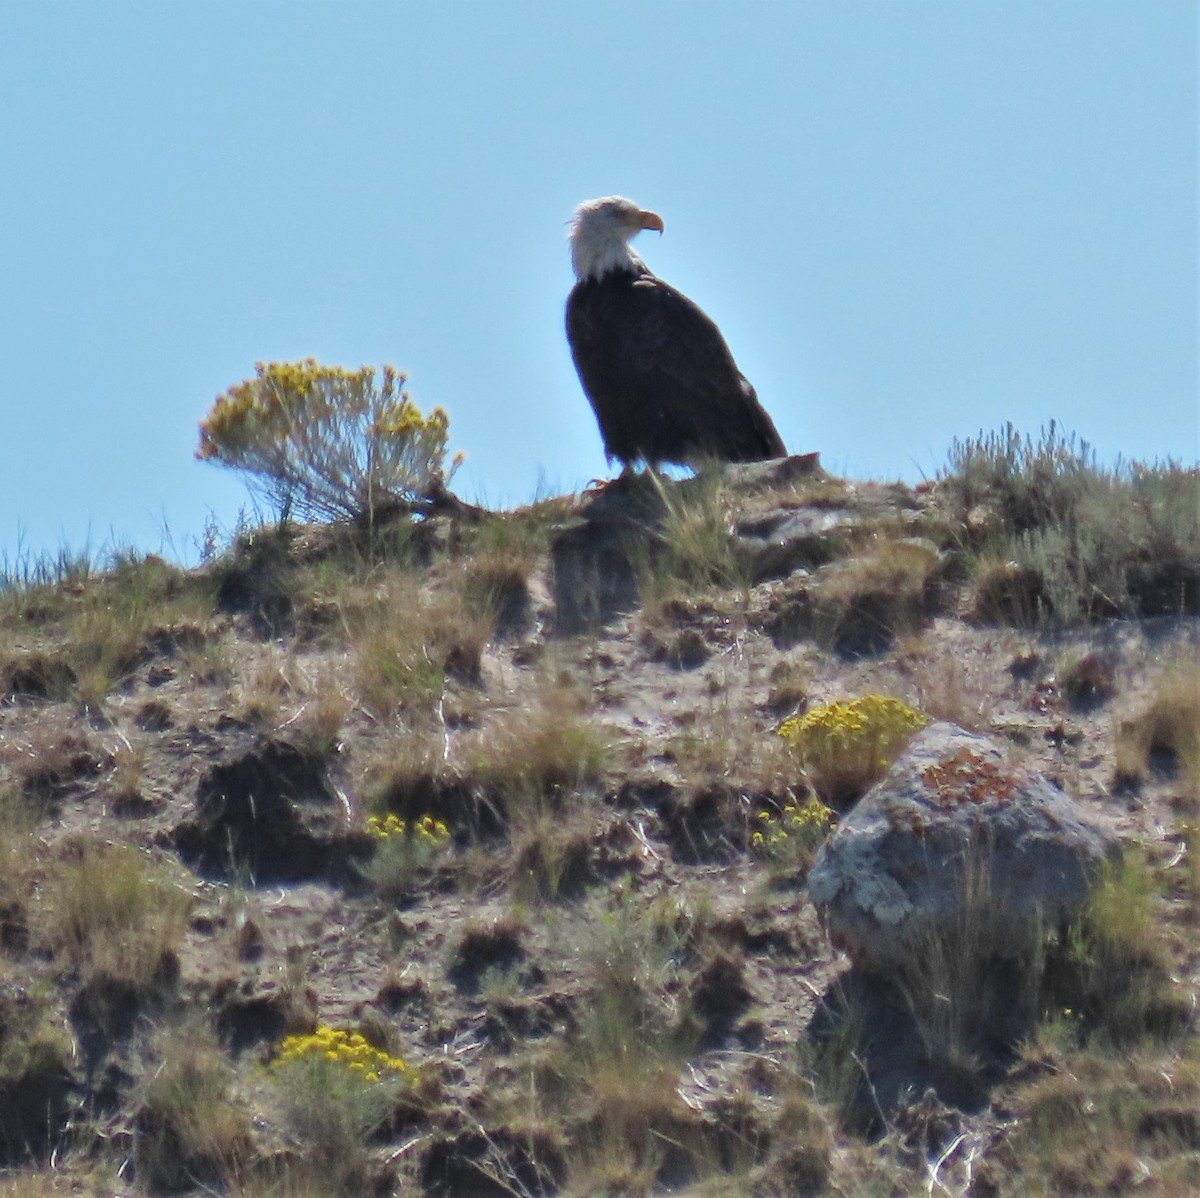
660, 377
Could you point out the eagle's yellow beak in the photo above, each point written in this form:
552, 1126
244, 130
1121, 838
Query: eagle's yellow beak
650, 220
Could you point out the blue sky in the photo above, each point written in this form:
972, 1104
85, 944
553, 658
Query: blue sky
913, 220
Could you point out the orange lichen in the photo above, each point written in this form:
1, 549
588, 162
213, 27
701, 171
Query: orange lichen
968, 778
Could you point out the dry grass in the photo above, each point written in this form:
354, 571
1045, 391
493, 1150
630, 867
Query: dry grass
1167, 733
404, 764
35, 674
694, 548
319, 723
790, 684
619, 1070
190, 1128
36, 1183
532, 762
1007, 592
865, 601
550, 744
407, 643
105, 647
17, 825
494, 584
552, 850
946, 687
714, 743
954, 979
112, 627
53, 753
127, 778
1106, 1124
259, 701
112, 911
209, 663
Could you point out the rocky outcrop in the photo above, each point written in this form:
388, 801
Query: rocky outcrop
955, 840
597, 556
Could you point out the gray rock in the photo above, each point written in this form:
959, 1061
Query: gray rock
955, 839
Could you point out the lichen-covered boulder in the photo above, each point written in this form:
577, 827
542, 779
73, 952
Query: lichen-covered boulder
955, 839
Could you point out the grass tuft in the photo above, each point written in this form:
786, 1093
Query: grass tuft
1166, 735
407, 644
694, 548
548, 747
112, 911
190, 1127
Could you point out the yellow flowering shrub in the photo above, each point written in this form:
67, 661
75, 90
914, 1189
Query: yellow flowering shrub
845, 747
426, 828
793, 836
328, 442
404, 851
348, 1050
337, 1088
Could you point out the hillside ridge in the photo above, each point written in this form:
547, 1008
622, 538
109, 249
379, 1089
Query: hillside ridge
504, 795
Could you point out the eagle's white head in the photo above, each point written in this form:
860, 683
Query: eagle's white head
600, 233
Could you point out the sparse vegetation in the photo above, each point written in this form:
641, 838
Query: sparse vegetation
336, 866
550, 745
190, 1125
1113, 966
407, 646
694, 548
1062, 539
946, 689
865, 601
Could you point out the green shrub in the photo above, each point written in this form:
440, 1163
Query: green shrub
1073, 540
1030, 484
327, 442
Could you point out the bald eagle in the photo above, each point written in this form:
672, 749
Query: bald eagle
659, 376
